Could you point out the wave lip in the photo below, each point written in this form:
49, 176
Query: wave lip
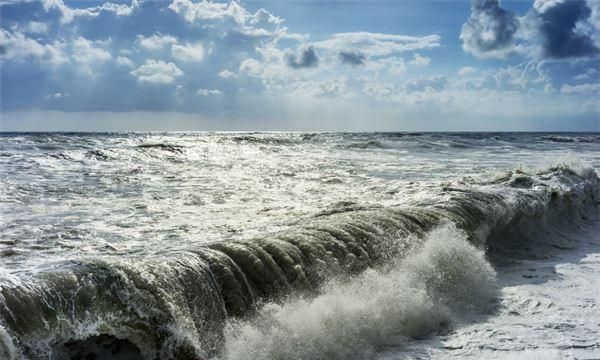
178, 304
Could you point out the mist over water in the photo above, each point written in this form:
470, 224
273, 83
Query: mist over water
285, 245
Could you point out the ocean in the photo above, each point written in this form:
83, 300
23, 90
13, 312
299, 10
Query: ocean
223, 245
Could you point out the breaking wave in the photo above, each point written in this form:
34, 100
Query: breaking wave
350, 319
340, 284
569, 139
160, 146
371, 144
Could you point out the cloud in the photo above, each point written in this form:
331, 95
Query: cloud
376, 44
84, 52
189, 52
392, 65
18, 47
331, 88
590, 88
378, 90
36, 27
226, 74
204, 10
419, 60
594, 6
551, 29
305, 57
124, 61
466, 70
437, 83
68, 14
251, 66
126, 48
490, 30
208, 92
528, 77
352, 57
261, 24
155, 41
591, 73
557, 23
158, 72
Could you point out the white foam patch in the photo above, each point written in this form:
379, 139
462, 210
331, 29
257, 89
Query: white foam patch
412, 299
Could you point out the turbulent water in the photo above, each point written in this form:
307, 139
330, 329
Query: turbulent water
299, 245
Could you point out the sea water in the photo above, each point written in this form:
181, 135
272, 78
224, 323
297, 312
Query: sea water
299, 245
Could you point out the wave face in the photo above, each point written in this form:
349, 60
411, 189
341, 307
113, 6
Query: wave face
394, 260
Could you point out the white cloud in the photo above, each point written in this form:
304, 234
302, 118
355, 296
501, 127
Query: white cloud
590, 73
581, 89
226, 74
18, 47
158, 72
260, 24
524, 76
124, 61
392, 65
376, 44
466, 70
336, 87
251, 67
263, 16
35, 27
431, 83
208, 92
549, 89
188, 52
84, 52
331, 88
419, 60
378, 90
529, 77
68, 13
155, 41
205, 10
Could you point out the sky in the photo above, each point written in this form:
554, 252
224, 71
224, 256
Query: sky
300, 65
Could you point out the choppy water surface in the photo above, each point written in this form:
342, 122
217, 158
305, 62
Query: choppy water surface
299, 246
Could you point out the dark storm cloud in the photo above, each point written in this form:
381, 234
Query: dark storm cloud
557, 27
490, 29
305, 58
352, 57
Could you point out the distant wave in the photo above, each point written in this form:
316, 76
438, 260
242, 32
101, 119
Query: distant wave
161, 146
371, 144
569, 139
98, 155
554, 138
265, 140
401, 271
